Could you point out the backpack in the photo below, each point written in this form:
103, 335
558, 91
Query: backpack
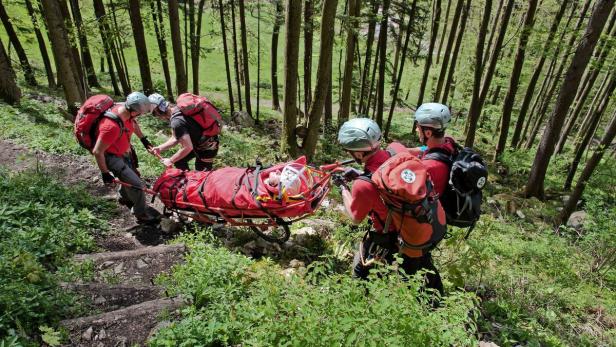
202, 111
88, 117
413, 208
467, 177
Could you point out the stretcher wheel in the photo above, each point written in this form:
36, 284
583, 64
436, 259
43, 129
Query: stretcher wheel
279, 234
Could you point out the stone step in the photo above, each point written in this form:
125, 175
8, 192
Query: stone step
101, 297
138, 266
124, 327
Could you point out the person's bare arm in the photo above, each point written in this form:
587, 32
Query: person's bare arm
347, 199
99, 154
187, 147
138, 131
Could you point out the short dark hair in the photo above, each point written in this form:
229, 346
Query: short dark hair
436, 133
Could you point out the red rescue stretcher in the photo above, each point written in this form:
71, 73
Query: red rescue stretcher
246, 196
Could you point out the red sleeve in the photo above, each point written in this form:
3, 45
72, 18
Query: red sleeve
364, 194
439, 173
108, 131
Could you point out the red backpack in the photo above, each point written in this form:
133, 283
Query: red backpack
202, 111
88, 117
413, 208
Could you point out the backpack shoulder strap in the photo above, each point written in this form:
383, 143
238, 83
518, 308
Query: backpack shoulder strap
439, 154
109, 114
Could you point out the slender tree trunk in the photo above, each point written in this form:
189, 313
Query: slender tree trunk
530, 90
134, 10
345, 98
186, 38
515, 77
73, 90
401, 70
594, 122
291, 61
586, 127
109, 48
21, 53
246, 70
601, 56
196, 53
51, 81
534, 186
450, 41
9, 91
443, 32
279, 18
383, 29
181, 80
159, 28
308, 39
475, 110
327, 108
68, 22
398, 50
119, 48
328, 17
86, 57
433, 36
592, 163
223, 30
236, 57
490, 42
456, 52
372, 81
366, 70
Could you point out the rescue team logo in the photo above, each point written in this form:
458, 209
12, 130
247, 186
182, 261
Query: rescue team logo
407, 176
481, 182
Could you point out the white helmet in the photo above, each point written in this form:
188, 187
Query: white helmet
158, 102
359, 134
433, 115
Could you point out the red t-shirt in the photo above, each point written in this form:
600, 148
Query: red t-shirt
366, 199
109, 134
439, 171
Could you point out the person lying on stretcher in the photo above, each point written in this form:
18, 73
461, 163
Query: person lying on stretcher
292, 181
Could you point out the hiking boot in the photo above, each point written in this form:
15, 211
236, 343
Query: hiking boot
124, 201
150, 216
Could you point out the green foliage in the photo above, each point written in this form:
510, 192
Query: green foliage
240, 301
41, 225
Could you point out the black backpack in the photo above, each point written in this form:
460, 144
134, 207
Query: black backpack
468, 175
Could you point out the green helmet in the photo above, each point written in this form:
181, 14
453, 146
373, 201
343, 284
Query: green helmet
138, 102
433, 115
359, 134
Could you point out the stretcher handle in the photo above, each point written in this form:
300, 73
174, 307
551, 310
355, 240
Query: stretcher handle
125, 184
330, 167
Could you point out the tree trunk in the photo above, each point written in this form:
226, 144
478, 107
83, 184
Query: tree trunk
51, 80
345, 98
534, 186
604, 97
434, 35
456, 52
291, 56
474, 110
279, 18
21, 53
530, 89
86, 57
443, 32
223, 30
308, 39
383, 29
119, 48
9, 91
401, 70
327, 108
366, 70
181, 80
499, 10
136, 22
159, 28
236, 57
592, 163
601, 57
328, 16
515, 77
372, 82
246, 69
61, 47
450, 41
109, 45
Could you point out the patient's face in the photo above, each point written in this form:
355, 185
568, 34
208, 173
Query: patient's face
274, 178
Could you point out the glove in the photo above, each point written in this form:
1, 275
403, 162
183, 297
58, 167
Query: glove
107, 177
350, 173
146, 143
339, 181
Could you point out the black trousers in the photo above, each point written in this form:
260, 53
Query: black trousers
385, 246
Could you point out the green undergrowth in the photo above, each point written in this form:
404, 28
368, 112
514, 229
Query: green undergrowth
236, 300
42, 224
